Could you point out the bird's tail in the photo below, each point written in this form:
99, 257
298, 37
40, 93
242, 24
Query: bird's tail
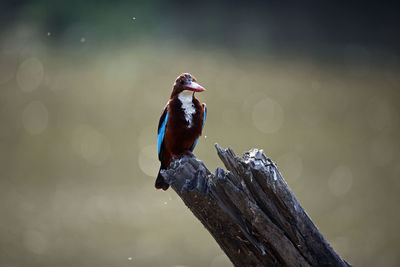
160, 182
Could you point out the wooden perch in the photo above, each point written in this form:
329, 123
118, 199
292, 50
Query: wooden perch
250, 211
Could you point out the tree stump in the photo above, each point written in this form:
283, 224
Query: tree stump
250, 211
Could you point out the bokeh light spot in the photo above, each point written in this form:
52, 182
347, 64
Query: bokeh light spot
30, 74
268, 115
148, 161
91, 144
35, 117
340, 180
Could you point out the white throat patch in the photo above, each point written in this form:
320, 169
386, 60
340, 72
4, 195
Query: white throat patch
186, 97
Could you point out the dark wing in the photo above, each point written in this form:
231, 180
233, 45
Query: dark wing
162, 124
204, 121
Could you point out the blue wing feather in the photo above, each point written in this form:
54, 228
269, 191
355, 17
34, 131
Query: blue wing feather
161, 131
204, 121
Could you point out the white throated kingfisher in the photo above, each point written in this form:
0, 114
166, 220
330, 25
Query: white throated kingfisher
181, 123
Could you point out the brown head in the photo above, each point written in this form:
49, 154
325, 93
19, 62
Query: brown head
186, 81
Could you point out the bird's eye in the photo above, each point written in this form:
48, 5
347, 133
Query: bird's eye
182, 82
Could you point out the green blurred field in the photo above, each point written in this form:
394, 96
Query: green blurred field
78, 150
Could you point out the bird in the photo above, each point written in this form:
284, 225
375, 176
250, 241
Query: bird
181, 124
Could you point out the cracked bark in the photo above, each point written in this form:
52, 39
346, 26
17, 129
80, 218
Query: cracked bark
250, 211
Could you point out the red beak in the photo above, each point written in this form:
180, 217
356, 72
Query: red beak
195, 87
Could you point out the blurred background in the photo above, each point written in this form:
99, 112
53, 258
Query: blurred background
82, 87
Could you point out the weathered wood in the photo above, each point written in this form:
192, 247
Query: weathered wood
250, 211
